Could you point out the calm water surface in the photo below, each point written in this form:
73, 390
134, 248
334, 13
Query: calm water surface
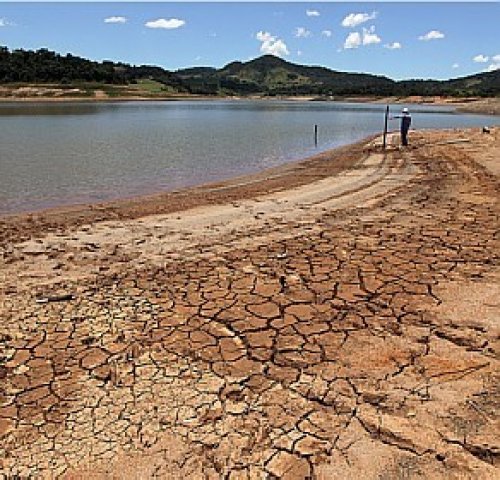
59, 154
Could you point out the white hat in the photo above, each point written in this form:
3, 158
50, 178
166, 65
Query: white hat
405, 110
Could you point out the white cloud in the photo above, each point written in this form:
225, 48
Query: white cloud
5, 23
299, 53
393, 46
312, 13
168, 24
277, 48
432, 35
353, 40
481, 58
370, 37
326, 33
495, 65
301, 32
356, 39
455, 65
115, 20
271, 45
354, 19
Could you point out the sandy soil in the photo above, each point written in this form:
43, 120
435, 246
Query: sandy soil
332, 319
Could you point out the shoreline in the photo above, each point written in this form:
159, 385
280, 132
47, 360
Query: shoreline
282, 177
241, 187
477, 105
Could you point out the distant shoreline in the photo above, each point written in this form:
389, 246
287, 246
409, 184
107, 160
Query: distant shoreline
479, 105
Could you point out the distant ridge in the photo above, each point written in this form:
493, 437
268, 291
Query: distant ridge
274, 76
265, 75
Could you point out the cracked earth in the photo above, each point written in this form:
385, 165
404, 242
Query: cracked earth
343, 328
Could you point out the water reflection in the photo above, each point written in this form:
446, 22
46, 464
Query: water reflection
48, 108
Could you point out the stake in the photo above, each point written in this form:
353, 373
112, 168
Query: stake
385, 126
315, 135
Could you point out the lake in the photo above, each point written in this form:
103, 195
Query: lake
67, 153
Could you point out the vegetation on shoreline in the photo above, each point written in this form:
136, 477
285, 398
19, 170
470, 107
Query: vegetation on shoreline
266, 75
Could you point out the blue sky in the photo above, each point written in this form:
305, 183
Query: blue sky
400, 40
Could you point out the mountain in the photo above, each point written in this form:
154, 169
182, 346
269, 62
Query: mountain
270, 75
266, 75
274, 76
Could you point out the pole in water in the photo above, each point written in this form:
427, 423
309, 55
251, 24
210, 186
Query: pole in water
315, 135
385, 126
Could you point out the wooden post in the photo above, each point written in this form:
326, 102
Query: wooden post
315, 135
385, 126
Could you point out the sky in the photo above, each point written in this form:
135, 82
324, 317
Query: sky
398, 40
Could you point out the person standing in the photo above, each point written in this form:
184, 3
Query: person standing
405, 125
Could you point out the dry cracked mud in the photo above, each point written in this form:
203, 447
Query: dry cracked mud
343, 329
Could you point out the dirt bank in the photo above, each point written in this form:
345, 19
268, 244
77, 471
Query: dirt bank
333, 319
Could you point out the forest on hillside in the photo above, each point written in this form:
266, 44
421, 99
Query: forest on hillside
266, 75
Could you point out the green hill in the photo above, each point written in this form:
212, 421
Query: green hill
45, 66
271, 75
266, 75
485, 84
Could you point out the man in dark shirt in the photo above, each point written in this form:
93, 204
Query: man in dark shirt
405, 125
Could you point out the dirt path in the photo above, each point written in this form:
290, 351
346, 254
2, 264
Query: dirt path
346, 328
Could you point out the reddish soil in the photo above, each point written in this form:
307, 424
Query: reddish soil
332, 319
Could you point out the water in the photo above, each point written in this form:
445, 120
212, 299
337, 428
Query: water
61, 154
